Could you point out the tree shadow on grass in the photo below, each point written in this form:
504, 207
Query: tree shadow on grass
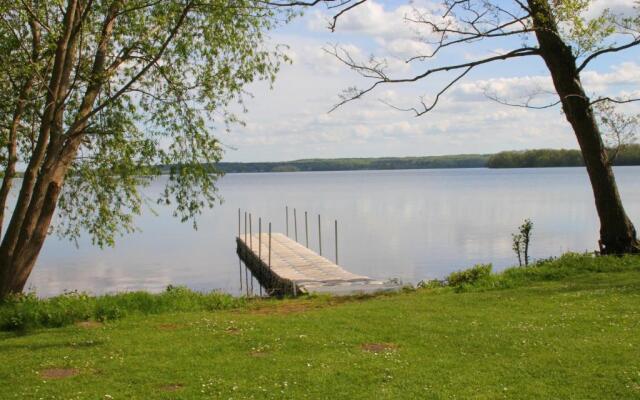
84, 344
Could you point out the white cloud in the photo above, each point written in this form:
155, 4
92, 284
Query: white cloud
619, 7
513, 89
389, 28
316, 57
406, 48
620, 81
625, 74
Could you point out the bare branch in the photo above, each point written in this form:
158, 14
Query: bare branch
345, 5
614, 100
527, 103
523, 105
332, 25
426, 108
381, 77
607, 50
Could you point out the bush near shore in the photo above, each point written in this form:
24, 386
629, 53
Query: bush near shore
27, 311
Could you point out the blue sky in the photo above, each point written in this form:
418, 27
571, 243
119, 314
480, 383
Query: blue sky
291, 121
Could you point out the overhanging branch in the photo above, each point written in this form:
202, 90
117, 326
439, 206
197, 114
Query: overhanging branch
377, 72
614, 49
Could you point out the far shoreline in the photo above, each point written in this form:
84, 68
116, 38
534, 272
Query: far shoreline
538, 158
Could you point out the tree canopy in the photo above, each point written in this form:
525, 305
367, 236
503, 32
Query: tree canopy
171, 73
94, 92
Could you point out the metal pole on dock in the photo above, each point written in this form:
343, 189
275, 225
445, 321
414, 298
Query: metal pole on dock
240, 268
286, 212
246, 279
239, 219
295, 224
319, 236
336, 242
306, 229
260, 239
245, 227
269, 245
250, 235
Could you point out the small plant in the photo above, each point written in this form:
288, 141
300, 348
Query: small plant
469, 276
431, 284
521, 242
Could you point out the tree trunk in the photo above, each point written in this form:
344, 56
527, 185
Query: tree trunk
33, 227
12, 149
12, 146
617, 233
12, 268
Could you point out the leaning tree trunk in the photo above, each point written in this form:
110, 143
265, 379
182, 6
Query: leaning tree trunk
14, 271
21, 104
617, 234
38, 200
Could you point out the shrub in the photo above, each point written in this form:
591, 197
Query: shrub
431, 284
26, 311
470, 276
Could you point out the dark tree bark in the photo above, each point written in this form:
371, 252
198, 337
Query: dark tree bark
13, 269
21, 104
617, 233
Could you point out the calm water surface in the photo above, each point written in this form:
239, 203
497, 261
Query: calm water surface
409, 224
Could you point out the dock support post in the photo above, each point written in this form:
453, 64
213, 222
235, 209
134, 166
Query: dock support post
246, 279
245, 227
306, 229
250, 234
239, 219
240, 268
260, 239
295, 224
336, 242
269, 245
286, 213
319, 236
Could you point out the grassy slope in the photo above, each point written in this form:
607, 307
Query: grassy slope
576, 337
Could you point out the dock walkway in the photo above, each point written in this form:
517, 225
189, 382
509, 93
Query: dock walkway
291, 268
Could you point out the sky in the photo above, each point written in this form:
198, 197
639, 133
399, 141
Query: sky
291, 120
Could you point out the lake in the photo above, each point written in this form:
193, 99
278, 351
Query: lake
405, 224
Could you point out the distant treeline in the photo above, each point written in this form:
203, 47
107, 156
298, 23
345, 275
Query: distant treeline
349, 164
630, 155
505, 159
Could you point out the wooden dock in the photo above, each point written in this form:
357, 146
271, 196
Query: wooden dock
291, 268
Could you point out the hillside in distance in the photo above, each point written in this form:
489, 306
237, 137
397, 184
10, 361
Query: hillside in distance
350, 164
538, 158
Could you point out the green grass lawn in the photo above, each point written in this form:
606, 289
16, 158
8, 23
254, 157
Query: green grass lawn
575, 336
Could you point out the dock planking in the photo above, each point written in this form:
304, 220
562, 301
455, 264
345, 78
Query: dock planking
296, 269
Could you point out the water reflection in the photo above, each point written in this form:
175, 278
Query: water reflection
410, 225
